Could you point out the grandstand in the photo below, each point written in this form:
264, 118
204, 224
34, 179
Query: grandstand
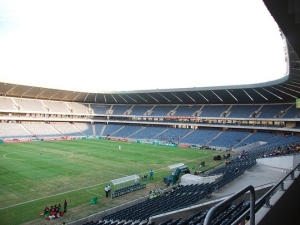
258, 121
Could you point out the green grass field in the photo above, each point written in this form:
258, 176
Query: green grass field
36, 174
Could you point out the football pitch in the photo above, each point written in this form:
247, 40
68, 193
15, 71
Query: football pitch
34, 175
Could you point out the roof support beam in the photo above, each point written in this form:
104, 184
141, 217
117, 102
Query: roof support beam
284, 92
68, 96
217, 96
113, 98
248, 95
189, 97
203, 96
40, 93
272, 93
54, 95
10, 90
232, 96
142, 98
86, 97
132, 99
164, 97
123, 98
260, 95
153, 97
289, 88
96, 97
26, 92
177, 97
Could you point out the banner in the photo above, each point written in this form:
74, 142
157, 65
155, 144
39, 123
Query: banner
298, 103
183, 146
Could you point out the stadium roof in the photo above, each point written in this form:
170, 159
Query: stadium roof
282, 90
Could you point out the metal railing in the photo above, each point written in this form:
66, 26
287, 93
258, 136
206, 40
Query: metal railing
254, 206
222, 205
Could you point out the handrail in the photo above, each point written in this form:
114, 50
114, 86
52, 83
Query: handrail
270, 192
211, 213
265, 199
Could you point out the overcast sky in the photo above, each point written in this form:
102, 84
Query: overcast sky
106, 45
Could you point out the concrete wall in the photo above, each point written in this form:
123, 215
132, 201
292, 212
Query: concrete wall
283, 162
285, 206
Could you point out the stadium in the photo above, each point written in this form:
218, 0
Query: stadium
220, 153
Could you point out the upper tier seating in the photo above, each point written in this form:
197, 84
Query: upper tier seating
186, 110
78, 108
293, 112
242, 111
140, 110
270, 111
7, 104
57, 107
120, 109
99, 109
31, 105
162, 110
213, 110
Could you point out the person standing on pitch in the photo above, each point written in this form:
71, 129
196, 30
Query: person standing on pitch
65, 206
106, 191
151, 174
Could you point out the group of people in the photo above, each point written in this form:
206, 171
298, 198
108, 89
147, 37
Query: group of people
54, 211
107, 190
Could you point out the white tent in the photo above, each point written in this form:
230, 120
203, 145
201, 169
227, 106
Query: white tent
125, 179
